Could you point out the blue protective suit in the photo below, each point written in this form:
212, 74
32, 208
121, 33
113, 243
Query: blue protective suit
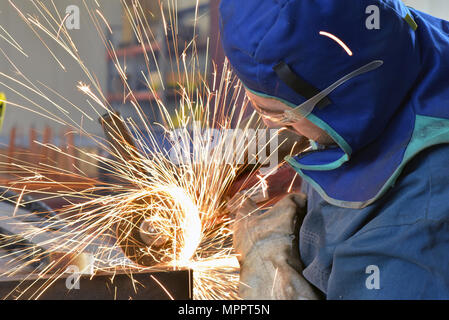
405, 234
377, 223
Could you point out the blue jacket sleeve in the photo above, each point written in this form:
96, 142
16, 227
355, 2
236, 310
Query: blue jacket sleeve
395, 262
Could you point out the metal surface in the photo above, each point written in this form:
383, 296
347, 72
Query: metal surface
176, 285
117, 285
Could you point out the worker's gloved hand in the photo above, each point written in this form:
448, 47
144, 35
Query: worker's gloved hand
278, 185
267, 242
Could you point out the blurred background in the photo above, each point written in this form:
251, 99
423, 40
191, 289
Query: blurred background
41, 66
438, 8
22, 128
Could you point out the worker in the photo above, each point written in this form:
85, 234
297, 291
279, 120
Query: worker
368, 82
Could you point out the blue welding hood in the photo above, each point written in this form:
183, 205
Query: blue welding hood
379, 120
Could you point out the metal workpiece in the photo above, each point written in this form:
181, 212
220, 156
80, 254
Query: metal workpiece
117, 285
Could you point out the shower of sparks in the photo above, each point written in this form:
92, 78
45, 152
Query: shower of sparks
337, 40
183, 201
264, 185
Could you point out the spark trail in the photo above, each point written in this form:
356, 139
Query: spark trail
183, 202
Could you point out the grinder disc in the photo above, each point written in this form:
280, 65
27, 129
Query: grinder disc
140, 240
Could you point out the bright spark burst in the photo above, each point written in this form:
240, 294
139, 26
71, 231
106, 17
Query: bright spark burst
183, 203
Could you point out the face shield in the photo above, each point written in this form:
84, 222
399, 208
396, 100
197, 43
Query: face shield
280, 114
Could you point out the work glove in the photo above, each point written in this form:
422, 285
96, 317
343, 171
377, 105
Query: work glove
267, 244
